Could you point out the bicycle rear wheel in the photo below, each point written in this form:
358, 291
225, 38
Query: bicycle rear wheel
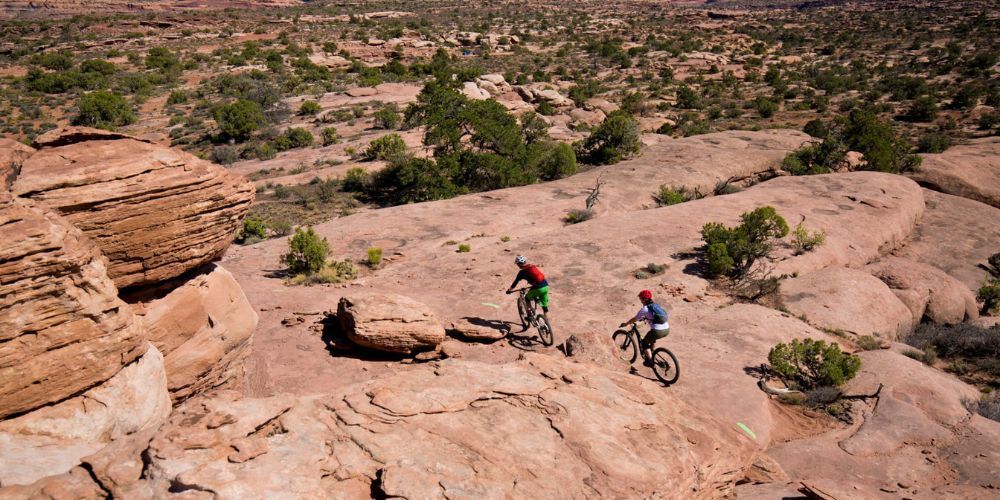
627, 350
544, 330
665, 366
522, 311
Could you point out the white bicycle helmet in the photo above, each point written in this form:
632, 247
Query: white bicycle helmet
520, 260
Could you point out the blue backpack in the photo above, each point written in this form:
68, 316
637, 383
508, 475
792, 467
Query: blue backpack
659, 314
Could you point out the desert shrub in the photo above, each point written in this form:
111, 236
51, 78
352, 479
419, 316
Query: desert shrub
933, 142
923, 109
650, 270
734, 251
237, 120
387, 118
884, 150
928, 355
254, 229
551, 160
307, 252
615, 139
309, 108
545, 108
766, 107
815, 158
978, 346
293, 138
177, 97
329, 136
281, 191
355, 179
161, 58
803, 240
989, 295
988, 406
464, 248
97, 66
869, 343
281, 227
816, 128
333, 272
807, 364
264, 151
687, 98
103, 109
576, 216
374, 257
224, 155
386, 147
410, 180
671, 195
58, 61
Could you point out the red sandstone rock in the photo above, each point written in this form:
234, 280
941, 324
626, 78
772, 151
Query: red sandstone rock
154, 212
203, 327
391, 323
63, 328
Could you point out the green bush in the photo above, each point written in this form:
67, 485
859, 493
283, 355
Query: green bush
309, 108
816, 128
329, 135
978, 348
552, 160
923, 109
576, 216
103, 109
97, 66
734, 251
254, 230
387, 118
670, 195
815, 158
933, 142
225, 155
293, 138
239, 119
884, 151
808, 364
307, 252
161, 58
334, 272
989, 295
766, 107
804, 241
687, 98
386, 147
464, 248
614, 140
177, 97
356, 179
374, 257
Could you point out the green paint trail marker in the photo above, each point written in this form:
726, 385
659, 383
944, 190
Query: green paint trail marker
490, 304
747, 430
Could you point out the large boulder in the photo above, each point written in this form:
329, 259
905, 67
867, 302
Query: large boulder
155, 212
845, 299
52, 440
969, 170
391, 323
538, 427
203, 327
63, 328
927, 291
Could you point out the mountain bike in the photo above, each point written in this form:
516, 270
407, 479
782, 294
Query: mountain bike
663, 361
528, 311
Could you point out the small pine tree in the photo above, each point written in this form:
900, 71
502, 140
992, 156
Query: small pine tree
808, 364
306, 252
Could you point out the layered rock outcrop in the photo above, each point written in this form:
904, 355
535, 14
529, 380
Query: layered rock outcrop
969, 170
203, 328
155, 212
63, 328
12, 155
388, 322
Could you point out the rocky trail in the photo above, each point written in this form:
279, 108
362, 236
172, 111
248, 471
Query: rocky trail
272, 399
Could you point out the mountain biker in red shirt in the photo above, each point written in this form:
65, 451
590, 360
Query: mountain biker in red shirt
533, 275
656, 316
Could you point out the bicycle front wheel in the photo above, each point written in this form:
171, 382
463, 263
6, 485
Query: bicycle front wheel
627, 350
544, 330
665, 366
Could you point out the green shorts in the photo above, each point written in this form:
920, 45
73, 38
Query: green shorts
540, 295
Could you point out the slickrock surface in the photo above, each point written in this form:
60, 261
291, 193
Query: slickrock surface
955, 235
927, 291
905, 442
388, 322
849, 300
53, 439
970, 170
154, 212
204, 329
63, 328
536, 427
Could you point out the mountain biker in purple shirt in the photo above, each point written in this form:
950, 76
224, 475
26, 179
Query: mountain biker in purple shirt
656, 316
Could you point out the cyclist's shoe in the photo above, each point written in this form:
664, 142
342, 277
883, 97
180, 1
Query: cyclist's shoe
647, 362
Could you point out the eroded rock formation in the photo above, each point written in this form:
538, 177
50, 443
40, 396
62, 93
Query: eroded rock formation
155, 212
388, 322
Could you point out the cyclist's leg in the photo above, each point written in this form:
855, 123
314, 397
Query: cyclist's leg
540, 296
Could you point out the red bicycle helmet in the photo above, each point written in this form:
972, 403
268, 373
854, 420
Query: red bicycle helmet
646, 295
